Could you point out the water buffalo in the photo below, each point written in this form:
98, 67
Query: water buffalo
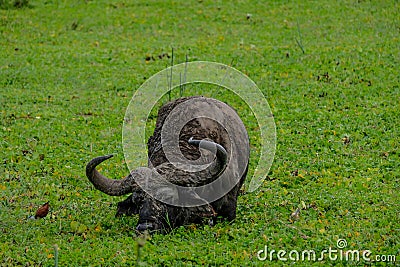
213, 134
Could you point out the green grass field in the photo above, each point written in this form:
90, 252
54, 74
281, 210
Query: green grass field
330, 72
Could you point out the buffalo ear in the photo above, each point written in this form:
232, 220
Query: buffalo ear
131, 205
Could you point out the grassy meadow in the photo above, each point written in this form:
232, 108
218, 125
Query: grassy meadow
329, 70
